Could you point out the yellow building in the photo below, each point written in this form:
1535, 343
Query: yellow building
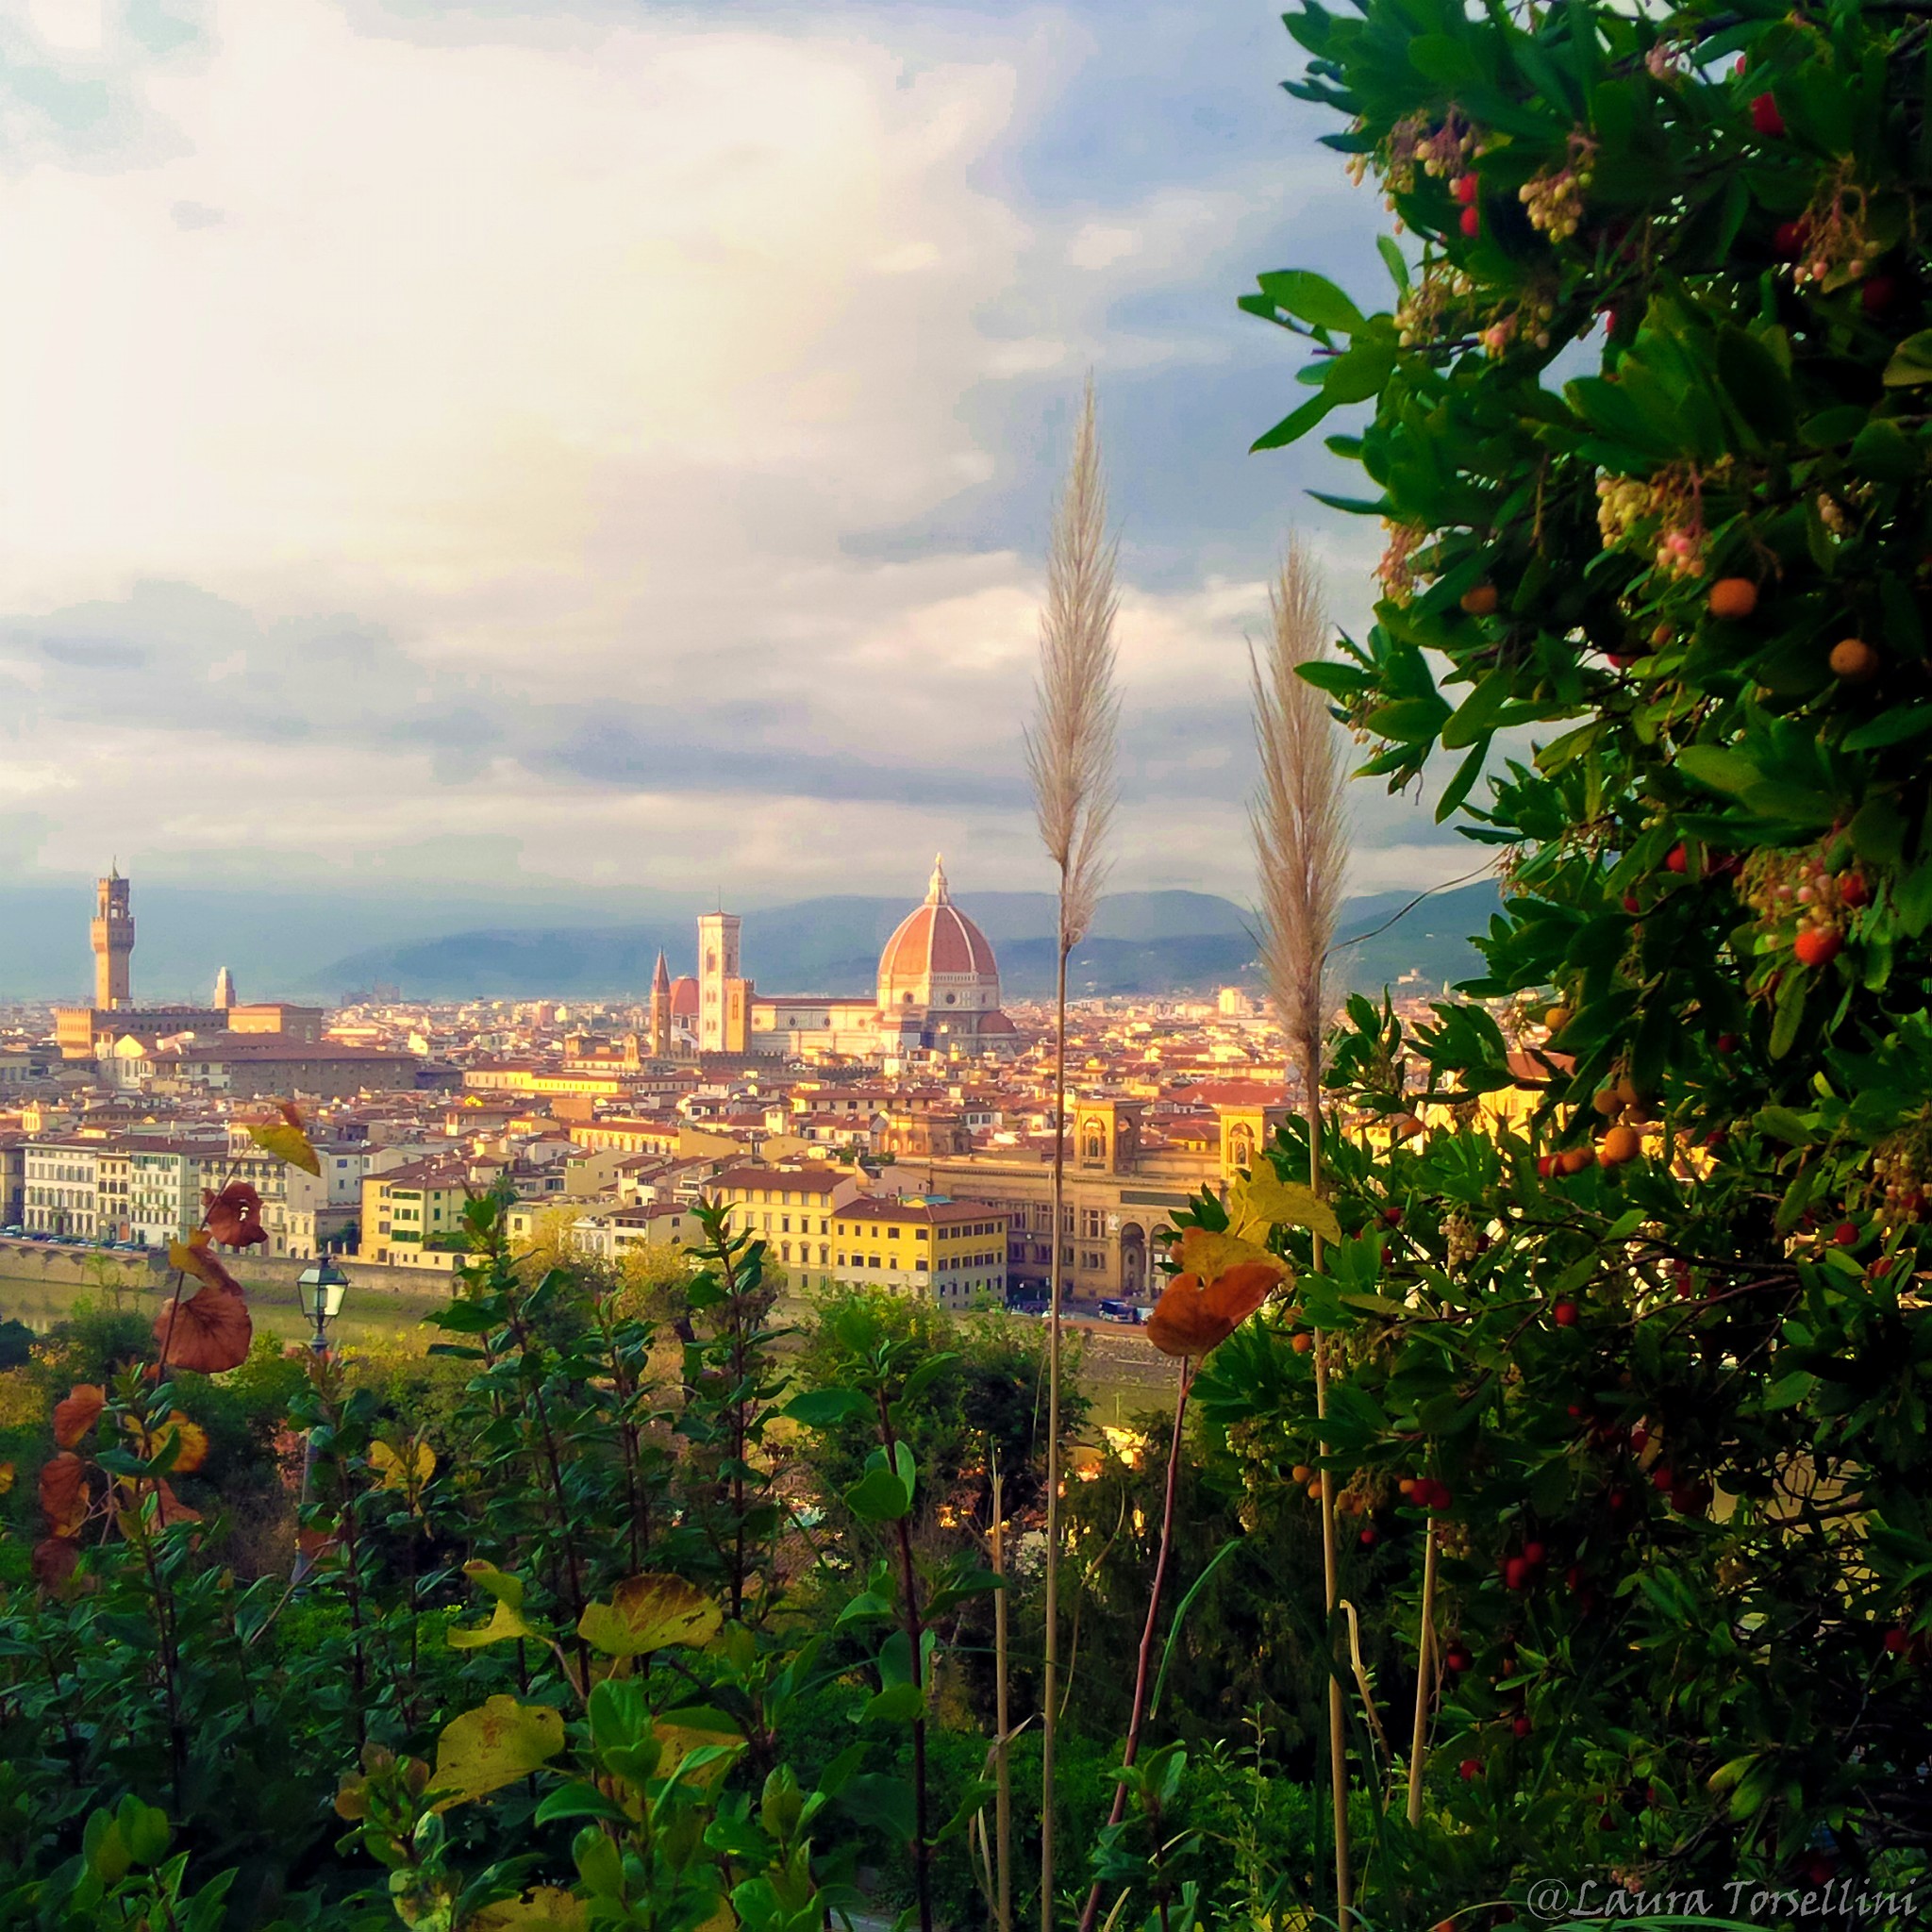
404, 1211
954, 1251
792, 1209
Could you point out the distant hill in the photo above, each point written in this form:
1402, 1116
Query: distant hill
1142, 942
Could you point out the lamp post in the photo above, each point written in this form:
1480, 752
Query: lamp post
319, 1291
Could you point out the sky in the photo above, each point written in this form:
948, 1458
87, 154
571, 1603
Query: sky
541, 450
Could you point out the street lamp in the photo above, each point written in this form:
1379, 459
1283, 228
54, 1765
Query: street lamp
319, 1291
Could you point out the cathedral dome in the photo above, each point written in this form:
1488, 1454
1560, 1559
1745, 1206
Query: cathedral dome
937, 958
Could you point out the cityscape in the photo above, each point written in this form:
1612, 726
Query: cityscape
965, 966
897, 1136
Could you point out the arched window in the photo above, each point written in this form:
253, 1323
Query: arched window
1096, 1145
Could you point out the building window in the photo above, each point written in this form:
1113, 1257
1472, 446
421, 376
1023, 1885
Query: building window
1090, 1223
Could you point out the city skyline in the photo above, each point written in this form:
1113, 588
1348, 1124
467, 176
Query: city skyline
543, 451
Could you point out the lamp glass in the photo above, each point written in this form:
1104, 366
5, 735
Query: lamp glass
330, 1288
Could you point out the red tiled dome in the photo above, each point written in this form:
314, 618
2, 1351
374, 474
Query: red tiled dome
936, 942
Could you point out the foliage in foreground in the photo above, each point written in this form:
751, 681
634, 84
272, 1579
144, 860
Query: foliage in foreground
1650, 444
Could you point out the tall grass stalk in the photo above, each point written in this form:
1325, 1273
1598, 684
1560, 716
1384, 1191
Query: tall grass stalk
1143, 1668
1070, 756
1301, 851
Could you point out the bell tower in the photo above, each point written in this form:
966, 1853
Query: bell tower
724, 993
112, 936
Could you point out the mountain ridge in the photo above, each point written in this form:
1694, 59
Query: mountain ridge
1142, 943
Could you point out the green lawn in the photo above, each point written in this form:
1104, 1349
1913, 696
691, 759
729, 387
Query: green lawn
366, 1318
1122, 1372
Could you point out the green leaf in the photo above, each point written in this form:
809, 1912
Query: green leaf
1313, 298
485, 1749
648, 1613
1719, 770
579, 1800
1393, 260
878, 1496
1788, 1014
897, 1703
879, 1803
1782, 1123
1911, 362
1889, 727
822, 1408
1884, 453
1294, 425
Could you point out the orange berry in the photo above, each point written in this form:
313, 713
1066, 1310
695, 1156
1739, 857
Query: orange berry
1574, 1159
1733, 598
1480, 602
1303, 1342
1853, 660
1618, 1146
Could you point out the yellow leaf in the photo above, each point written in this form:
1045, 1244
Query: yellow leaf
7, 1477
504, 1624
500, 1584
700, 1730
285, 1143
542, 1909
402, 1469
485, 1749
1263, 1200
646, 1613
193, 1450
1209, 1256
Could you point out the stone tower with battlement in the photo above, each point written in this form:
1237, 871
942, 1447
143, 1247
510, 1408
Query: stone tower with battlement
112, 935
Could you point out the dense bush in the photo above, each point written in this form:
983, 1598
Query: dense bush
1650, 445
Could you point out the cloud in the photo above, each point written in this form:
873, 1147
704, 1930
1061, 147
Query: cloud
624, 438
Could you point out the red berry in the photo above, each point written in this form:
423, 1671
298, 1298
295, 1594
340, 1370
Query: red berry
1573, 1577
1690, 1499
1564, 1314
1639, 1440
1877, 295
1577, 1410
1470, 1768
1545, 1166
1392, 1216
1521, 1727
1458, 1658
1854, 889
1818, 945
1534, 1552
1677, 859
1662, 1477
1765, 116
1788, 241
1471, 222
1630, 903
1441, 1495
1846, 1233
1880, 1268
1466, 190
1896, 1639
1369, 1538
1515, 1574
1725, 1042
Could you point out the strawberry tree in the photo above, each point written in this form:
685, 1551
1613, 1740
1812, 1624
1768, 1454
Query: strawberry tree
1647, 1345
